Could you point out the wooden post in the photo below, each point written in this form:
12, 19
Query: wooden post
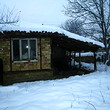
70, 58
40, 54
1, 71
74, 57
10, 55
51, 53
95, 66
79, 60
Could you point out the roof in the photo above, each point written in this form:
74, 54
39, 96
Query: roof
62, 37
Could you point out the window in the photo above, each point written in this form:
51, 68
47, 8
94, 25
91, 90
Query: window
24, 49
16, 50
32, 49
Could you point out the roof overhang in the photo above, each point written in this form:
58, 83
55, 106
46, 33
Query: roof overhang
71, 44
63, 41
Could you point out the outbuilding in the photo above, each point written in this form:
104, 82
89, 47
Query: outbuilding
29, 54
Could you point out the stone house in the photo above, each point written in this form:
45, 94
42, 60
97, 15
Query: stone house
36, 55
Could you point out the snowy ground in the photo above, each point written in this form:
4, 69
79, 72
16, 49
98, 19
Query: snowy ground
86, 92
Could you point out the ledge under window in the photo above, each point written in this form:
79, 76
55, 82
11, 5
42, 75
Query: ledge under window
24, 61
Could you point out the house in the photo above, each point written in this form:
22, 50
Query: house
29, 54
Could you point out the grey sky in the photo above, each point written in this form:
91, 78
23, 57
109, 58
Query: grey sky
48, 12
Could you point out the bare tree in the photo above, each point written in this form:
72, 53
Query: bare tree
74, 26
8, 17
95, 13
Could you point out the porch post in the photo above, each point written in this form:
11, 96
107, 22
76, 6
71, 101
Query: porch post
95, 66
40, 54
1, 71
79, 60
70, 58
74, 57
10, 55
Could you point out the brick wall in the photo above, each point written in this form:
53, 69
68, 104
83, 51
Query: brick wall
5, 53
27, 65
46, 53
21, 76
19, 66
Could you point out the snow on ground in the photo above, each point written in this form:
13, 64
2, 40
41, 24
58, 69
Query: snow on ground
86, 92
90, 66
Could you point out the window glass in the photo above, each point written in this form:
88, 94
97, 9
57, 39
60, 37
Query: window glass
24, 49
24, 46
16, 50
32, 49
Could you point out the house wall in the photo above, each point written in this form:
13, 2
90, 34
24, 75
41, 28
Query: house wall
46, 53
43, 62
21, 76
27, 65
5, 53
19, 71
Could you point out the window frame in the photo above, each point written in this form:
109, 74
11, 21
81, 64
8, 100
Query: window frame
20, 49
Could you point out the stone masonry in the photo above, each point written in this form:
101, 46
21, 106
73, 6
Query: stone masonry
5, 51
46, 53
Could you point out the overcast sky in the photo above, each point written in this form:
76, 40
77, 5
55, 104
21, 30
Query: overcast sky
49, 12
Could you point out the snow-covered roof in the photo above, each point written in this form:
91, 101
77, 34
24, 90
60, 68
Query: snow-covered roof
53, 29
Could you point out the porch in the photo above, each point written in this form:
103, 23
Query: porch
64, 51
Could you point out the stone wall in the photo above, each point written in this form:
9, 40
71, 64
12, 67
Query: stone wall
19, 71
46, 53
5, 53
28, 65
43, 61
14, 77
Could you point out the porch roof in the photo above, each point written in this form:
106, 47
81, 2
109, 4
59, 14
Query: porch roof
71, 44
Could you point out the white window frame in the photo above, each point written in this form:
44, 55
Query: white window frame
21, 60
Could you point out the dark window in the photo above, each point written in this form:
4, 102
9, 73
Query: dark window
32, 49
16, 50
24, 49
